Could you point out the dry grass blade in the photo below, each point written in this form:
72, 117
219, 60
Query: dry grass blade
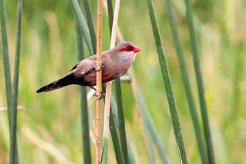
47, 147
112, 44
109, 84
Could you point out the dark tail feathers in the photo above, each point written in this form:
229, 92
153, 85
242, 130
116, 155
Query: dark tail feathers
67, 80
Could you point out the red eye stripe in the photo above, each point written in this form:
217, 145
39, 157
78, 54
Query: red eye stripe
130, 48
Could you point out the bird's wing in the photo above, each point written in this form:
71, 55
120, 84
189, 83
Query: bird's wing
86, 67
92, 70
80, 65
89, 71
91, 58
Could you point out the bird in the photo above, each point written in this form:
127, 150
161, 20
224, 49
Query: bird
115, 63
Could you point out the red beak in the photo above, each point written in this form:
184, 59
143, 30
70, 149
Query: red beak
136, 49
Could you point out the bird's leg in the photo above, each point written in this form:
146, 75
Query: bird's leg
99, 69
98, 97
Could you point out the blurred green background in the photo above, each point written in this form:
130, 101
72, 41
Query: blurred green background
49, 127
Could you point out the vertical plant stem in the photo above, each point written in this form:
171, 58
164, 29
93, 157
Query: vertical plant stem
236, 89
180, 54
113, 118
105, 151
109, 84
110, 14
90, 23
146, 118
112, 44
13, 158
83, 105
167, 82
115, 139
119, 97
147, 138
6, 62
84, 32
131, 157
99, 82
83, 25
13, 128
121, 117
196, 61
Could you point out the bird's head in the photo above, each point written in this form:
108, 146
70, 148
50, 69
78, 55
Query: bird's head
125, 51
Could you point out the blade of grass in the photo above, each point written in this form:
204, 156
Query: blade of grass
121, 117
187, 86
196, 61
131, 156
90, 23
147, 138
83, 105
105, 151
83, 25
114, 135
110, 14
6, 62
167, 83
13, 129
13, 154
115, 138
146, 117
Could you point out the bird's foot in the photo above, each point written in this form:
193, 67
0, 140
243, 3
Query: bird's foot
99, 96
99, 69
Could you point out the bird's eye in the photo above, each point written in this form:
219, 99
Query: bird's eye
129, 48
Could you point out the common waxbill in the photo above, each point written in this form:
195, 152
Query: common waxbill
115, 63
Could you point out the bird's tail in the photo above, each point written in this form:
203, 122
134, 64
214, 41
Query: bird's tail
66, 80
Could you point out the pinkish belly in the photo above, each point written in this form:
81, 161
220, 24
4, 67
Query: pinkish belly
91, 79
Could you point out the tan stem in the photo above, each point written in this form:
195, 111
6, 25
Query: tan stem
99, 82
109, 84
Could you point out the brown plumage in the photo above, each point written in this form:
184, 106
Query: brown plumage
115, 63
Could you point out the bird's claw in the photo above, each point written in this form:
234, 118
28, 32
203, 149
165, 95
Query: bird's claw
99, 69
99, 96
